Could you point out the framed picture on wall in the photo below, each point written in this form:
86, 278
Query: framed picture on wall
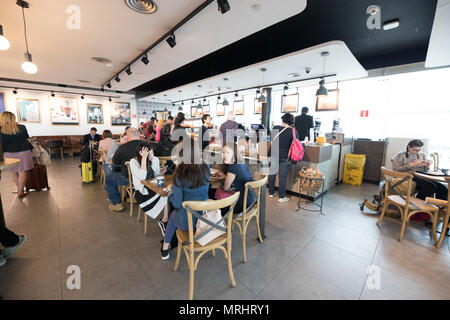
328, 103
94, 113
220, 109
238, 107
28, 110
206, 108
120, 113
258, 106
2, 102
193, 112
64, 111
289, 103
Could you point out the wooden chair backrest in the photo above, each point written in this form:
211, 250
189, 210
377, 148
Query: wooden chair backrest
130, 179
256, 186
435, 160
207, 205
390, 175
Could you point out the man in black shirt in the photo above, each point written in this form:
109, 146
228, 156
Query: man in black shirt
92, 135
114, 177
303, 124
206, 134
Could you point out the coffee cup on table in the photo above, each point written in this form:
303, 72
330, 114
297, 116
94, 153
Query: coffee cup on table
160, 181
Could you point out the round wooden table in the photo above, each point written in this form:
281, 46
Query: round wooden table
8, 163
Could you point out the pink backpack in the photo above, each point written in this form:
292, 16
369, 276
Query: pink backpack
296, 150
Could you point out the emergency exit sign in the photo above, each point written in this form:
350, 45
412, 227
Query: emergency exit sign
364, 113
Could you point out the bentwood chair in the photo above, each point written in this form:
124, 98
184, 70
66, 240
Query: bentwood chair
187, 241
164, 159
406, 204
435, 161
102, 171
129, 189
243, 219
55, 145
444, 206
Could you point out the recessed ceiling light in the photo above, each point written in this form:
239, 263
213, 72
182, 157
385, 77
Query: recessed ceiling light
226, 79
84, 81
228, 88
209, 92
256, 6
293, 75
142, 6
101, 60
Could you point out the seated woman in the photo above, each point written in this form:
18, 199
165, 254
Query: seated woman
191, 183
145, 166
106, 143
237, 175
413, 159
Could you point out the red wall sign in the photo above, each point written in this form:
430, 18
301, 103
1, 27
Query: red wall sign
134, 116
364, 113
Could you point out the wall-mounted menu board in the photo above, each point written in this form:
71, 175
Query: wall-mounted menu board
220, 109
64, 110
238, 107
328, 103
258, 106
289, 103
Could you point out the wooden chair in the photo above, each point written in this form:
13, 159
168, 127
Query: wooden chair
444, 213
406, 204
55, 145
435, 161
164, 159
186, 239
102, 171
129, 189
243, 219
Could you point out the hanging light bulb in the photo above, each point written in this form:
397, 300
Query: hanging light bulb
322, 91
28, 66
4, 43
262, 98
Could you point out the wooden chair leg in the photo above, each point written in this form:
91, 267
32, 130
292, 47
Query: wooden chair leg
145, 224
383, 211
191, 275
244, 239
259, 231
62, 154
445, 225
177, 261
404, 221
230, 266
433, 229
50, 153
131, 204
139, 213
214, 252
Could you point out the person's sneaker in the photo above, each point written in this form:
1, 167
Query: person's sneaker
285, 199
272, 195
9, 251
165, 254
116, 207
162, 226
2, 260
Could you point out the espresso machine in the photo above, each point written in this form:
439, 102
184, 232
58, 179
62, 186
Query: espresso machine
317, 125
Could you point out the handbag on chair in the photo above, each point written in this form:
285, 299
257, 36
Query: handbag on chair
222, 194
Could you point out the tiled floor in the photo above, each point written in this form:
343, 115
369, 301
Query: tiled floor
305, 256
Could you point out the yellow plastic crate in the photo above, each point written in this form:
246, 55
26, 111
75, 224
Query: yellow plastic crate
354, 169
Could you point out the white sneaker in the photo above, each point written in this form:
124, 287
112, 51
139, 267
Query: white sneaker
285, 199
2, 260
272, 195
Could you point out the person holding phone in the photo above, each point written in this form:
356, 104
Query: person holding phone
413, 159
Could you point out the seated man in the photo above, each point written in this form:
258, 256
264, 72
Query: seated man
92, 135
116, 174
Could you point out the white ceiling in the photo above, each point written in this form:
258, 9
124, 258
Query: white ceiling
340, 62
438, 54
110, 29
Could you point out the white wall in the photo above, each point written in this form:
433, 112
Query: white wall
45, 127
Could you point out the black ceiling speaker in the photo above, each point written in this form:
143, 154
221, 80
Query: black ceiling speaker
171, 41
224, 6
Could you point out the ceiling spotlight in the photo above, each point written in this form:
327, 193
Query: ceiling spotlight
225, 102
117, 78
53, 94
128, 71
171, 41
218, 97
109, 99
144, 59
108, 84
15, 91
224, 6
182, 103
192, 102
173, 104
4, 43
82, 97
258, 91
236, 94
286, 86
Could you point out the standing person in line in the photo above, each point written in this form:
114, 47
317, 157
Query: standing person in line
206, 131
15, 145
303, 124
228, 129
158, 130
284, 138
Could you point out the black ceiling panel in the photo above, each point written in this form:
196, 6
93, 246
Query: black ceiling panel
321, 21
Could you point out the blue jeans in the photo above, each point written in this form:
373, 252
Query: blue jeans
283, 171
112, 181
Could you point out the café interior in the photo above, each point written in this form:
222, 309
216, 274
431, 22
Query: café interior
346, 220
